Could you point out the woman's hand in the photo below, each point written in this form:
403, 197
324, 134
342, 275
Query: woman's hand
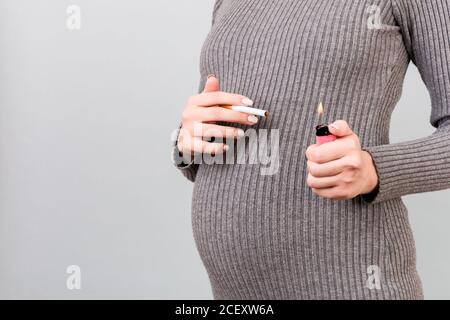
200, 114
340, 169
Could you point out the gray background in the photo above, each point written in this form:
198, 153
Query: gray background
85, 170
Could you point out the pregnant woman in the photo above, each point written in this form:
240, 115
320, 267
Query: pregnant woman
330, 222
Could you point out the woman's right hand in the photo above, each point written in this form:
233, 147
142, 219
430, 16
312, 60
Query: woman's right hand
203, 111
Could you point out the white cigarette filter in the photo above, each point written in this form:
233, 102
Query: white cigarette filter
249, 110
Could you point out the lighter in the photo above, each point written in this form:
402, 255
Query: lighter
323, 135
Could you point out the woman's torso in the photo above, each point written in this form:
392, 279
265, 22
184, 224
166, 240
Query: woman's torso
266, 235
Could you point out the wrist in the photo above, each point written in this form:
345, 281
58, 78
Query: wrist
371, 176
187, 156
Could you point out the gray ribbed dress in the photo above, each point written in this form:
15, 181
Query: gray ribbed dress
268, 236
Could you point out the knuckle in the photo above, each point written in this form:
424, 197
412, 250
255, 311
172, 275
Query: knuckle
184, 134
190, 100
310, 181
313, 169
186, 115
355, 161
348, 178
355, 142
308, 152
317, 155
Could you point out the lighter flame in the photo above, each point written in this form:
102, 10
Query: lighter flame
320, 109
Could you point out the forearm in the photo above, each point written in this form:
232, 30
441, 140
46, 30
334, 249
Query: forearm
415, 166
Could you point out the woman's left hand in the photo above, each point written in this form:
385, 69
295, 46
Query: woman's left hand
340, 169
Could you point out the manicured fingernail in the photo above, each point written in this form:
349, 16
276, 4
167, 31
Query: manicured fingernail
240, 133
334, 126
211, 75
252, 119
226, 147
247, 102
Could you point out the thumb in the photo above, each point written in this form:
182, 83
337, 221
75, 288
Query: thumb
212, 84
340, 128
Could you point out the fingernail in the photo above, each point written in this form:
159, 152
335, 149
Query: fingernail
252, 119
334, 126
247, 102
211, 75
240, 133
226, 147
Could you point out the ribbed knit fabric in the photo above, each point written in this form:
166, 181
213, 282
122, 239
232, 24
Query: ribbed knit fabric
269, 236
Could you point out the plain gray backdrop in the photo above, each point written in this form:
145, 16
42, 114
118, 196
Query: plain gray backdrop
85, 170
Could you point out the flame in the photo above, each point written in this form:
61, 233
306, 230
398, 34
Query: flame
320, 109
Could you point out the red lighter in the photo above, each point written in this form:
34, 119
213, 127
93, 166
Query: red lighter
323, 134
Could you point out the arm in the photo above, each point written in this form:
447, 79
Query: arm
185, 163
200, 118
420, 165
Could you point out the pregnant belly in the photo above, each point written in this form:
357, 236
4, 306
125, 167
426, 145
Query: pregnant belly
241, 217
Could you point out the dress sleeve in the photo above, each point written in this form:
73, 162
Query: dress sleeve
189, 168
420, 165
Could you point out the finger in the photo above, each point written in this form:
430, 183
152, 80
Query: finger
328, 169
206, 130
214, 114
321, 183
334, 150
217, 98
340, 128
332, 193
212, 84
201, 146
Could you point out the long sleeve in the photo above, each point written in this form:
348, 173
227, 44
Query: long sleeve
189, 170
420, 165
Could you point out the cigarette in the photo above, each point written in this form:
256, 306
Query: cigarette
248, 110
